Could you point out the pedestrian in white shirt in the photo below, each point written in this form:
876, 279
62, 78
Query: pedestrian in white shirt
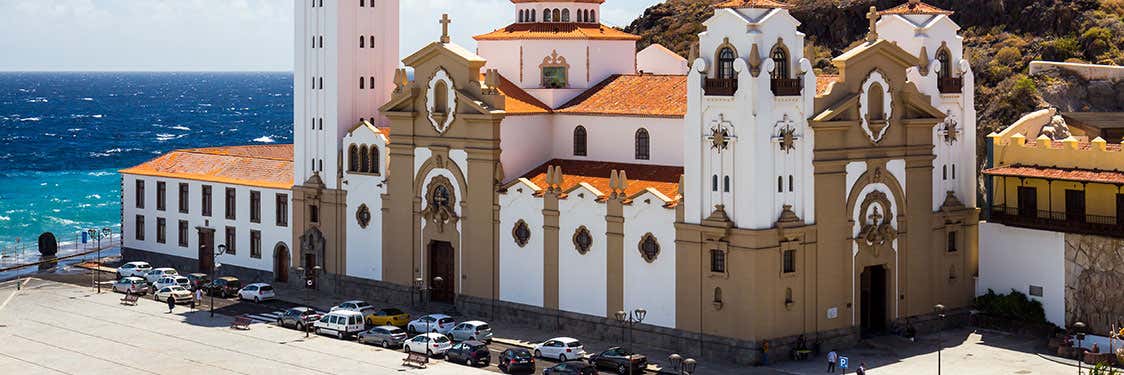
832, 358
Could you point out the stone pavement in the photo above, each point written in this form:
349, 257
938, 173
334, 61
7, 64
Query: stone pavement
50, 327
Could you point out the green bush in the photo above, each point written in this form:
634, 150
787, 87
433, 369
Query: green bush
1009, 56
1097, 41
1014, 306
1061, 49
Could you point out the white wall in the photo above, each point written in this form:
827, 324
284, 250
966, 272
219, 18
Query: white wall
590, 62
364, 245
612, 139
271, 234
650, 286
582, 278
521, 268
657, 59
526, 142
1016, 258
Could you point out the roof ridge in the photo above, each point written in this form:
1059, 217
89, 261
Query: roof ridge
215, 151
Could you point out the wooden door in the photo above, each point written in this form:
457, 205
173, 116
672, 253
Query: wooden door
1028, 201
1075, 206
206, 253
441, 265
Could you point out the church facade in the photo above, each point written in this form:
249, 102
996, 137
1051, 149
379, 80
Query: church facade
556, 171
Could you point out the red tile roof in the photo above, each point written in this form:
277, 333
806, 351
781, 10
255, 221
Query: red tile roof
823, 81
765, 4
664, 179
915, 7
519, 102
552, 30
633, 95
1067, 174
268, 166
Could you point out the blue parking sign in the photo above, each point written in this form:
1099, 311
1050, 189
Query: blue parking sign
843, 362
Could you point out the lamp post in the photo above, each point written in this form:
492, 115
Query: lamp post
682, 366
1079, 334
219, 250
939, 308
631, 319
98, 235
418, 284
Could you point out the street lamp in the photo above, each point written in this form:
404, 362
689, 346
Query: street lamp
98, 235
220, 250
418, 284
682, 366
939, 308
632, 319
1079, 334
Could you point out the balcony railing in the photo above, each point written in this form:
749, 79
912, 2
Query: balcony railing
785, 86
1058, 221
720, 86
950, 85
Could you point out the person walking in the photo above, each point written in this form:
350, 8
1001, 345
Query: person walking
832, 357
861, 370
171, 304
199, 296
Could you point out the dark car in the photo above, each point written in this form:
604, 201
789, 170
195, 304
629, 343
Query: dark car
298, 317
571, 367
225, 286
620, 360
197, 280
470, 353
516, 360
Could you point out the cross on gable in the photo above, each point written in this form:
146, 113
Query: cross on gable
721, 133
445, 21
872, 16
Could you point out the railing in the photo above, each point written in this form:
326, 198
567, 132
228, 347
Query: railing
720, 86
785, 86
950, 85
1059, 221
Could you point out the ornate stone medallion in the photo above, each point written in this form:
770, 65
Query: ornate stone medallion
649, 248
439, 209
877, 232
721, 134
949, 129
521, 232
582, 240
363, 216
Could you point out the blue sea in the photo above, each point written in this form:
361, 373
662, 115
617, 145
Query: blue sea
63, 136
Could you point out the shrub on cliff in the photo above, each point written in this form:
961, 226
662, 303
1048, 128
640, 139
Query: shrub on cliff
1014, 306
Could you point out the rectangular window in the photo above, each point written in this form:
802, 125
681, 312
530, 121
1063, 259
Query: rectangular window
161, 230
789, 261
313, 213
255, 244
184, 200
255, 206
206, 200
1075, 205
951, 242
1035, 291
230, 240
554, 77
161, 195
282, 210
717, 261
230, 204
183, 233
138, 195
138, 228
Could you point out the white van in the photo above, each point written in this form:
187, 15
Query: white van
340, 323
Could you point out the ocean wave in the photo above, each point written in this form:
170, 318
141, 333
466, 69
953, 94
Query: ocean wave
99, 174
31, 119
167, 137
62, 221
50, 134
74, 130
97, 116
36, 100
86, 99
5, 218
264, 139
181, 127
93, 196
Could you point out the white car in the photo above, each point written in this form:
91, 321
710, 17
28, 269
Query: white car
361, 307
429, 343
341, 323
256, 292
439, 323
170, 281
560, 348
137, 269
178, 293
131, 285
156, 273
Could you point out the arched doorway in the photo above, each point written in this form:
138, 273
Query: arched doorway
281, 263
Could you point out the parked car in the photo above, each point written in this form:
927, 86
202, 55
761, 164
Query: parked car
361, 307
571, 368
225, 286
197, 280
131, 285
470, 353
176, 292
137, 269
257, 292
389, 316
439, 323
472, 330
340, 323
156, 273
384, 336
516, 360
429, 343
298, 317
560, 348
169, 281
619, 359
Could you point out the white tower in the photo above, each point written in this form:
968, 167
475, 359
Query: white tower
748, 147
346, 54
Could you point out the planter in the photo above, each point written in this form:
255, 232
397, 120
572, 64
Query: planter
1096, 358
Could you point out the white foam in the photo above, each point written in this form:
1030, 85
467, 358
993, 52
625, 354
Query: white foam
37, 100
180, 127
93, 196
33, 119
86, 99
264, 139
5, 218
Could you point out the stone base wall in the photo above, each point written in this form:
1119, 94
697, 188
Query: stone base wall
1094, 275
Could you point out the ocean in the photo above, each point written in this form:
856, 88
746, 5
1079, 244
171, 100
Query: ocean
63, 136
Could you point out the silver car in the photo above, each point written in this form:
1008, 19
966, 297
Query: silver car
384, 336
131, 285
472, 330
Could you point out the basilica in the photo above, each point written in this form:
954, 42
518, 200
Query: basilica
554, 171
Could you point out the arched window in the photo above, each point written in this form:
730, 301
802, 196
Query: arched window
440, 97
371, 80
521, 11
352, 158
546, 15
362, 82
726, 63
780, 61
556, 15
726, 184
789, 183
533, 15
945, 60
944, 172
780, 184
364, 159
874, 102
714, 183
954, 171
592, 16
579, 141
643, 142
362, 41
374, 159
372, 44
717, 295
565, 15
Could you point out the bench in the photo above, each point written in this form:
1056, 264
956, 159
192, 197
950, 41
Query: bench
130, 299
418, 360
241, 322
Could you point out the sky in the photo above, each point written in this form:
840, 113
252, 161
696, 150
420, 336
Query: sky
213, 35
